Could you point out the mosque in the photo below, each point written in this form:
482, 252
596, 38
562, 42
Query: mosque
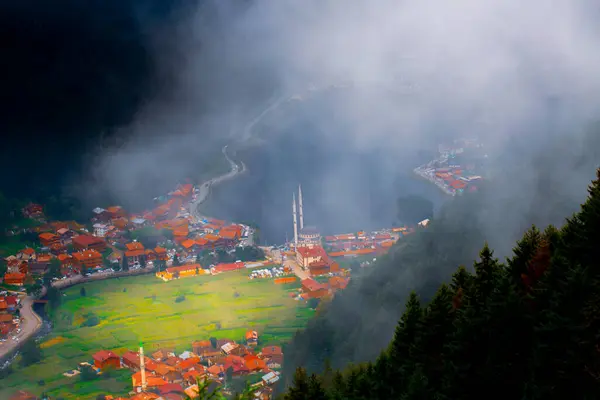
306, 236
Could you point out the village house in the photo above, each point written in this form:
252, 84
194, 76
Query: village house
85, 242
38, 268
161, 253
131, 359
273, 356
168, 373
65, 235
33, 210
204, 349
152, 381
87, 259
191, 377
116, 212
313, 289
57, 248
181, 271
135, 253
27, 254
100, 230
17, 279
101, 215
47, 239
254, 363
252, 338
106, 359
338, 283
171, 391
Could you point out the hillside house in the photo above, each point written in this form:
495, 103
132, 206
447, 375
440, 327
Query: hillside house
116, 212
16, 278
100, 230
252, 338
254, 363
204, 348
106, 359
47, 239
161, 253
33, 210
191, 377
135, 253
87, 259
168, 373
27, 254
273, 355
88, 242
38, 268
152, 381
65, 235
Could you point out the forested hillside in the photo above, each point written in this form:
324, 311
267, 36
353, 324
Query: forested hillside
526, 328
532, 186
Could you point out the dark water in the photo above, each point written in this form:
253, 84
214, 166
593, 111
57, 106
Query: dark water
344, 189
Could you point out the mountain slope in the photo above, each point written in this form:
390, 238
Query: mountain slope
527, 328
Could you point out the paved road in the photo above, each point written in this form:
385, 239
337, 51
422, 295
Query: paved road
30, 324
204, 189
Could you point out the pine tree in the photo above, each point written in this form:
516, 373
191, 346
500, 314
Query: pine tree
315, 389
338, 389
436, 327
523, 253
487, 271
406, 335
124, 264
461, 284
300, 386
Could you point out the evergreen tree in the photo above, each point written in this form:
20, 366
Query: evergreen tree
315, 390
406, 335
487, 271
176, 261
300, 386
124, 263
523, 253
82, 291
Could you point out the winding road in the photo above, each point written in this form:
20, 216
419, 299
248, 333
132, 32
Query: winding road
30, 324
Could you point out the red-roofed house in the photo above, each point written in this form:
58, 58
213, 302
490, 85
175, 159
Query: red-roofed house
337, 282
135, 253
152, 381
253, 363
17, 279
106, 359
273, 355
180, 272
313, 289
47, 239
83, 242
307, 255
228, 267
161, 253
251, 338
87, 259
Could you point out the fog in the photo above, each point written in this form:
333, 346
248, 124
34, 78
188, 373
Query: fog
517, 75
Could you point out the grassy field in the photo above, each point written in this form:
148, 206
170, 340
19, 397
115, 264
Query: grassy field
144, 309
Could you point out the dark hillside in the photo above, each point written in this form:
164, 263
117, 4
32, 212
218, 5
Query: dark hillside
526, 328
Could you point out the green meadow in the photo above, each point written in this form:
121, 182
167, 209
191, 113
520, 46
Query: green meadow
144, 308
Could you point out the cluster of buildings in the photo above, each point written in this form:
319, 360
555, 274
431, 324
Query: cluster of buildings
167, 375
9, 314
447, 173
106, 241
